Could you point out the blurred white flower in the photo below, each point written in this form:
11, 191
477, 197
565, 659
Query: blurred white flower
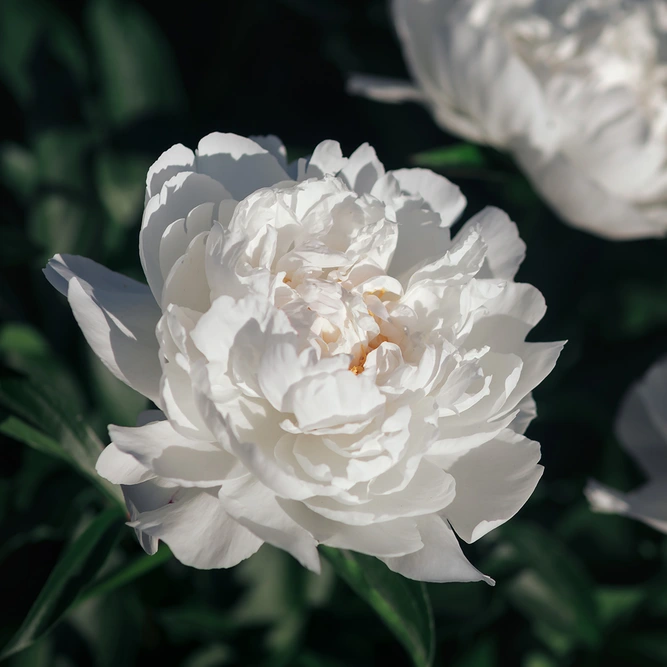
576, 90
329, 366
641, 427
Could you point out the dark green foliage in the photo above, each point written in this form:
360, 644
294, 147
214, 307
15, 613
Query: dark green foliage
93, 91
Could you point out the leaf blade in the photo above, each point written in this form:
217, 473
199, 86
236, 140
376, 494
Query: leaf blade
80, 562
401, 603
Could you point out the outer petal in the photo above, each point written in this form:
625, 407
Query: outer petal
581, 201
390, 538
639, 441
505, 249
441, 195
441, 560
145, 497
383, 89
362, 169
256, 507
648, 504
327, 158
493, 482
169, 455
173, 161
178, 197
470, 77
117, 316
121, 468
198, 530
240, 164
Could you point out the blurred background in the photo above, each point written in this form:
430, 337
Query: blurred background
92, 92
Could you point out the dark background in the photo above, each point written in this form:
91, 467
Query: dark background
92, 92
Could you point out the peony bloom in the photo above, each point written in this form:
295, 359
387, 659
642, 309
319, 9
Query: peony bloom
576, 90
330, 367
641, 428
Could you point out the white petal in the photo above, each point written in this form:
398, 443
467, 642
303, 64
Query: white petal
178, 236
390, 538
255, 506
578, 199
383, 89
641, 436
362, 170
169, 455
470, 76
173, 161
441, 560
442, 196
179, 195
651, 390
282, 367
527, 412
325, 400
274, 145
647, 504
505, 250
121, 468
327, 158
493, 482
186, 284
239, 163
539, 360
117, 316
218, 328
145, 497
430, 490
198, 531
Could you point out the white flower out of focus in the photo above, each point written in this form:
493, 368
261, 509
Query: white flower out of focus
641, 427
330, 367
575, 89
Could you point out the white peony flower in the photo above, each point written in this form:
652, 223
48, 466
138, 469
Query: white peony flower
575, 89
329, 366
641, 428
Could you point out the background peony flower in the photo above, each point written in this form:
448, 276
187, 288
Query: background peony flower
641, 428
330, 367
575, 89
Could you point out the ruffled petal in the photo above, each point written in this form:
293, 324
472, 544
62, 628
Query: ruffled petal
493, 482
121, 468
441, 560
256, 507
239, 163
169, 455
117, 316
199, 532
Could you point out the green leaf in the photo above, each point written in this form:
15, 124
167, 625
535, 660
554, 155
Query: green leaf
26, 26
18, 169
279, 593
38, 655
24, 349
113, 627
645, 647
137, 71
456, 155
127, 573
554, 590
41, 421
401, 603
121, 182
78, 565
117, 403
619, 603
